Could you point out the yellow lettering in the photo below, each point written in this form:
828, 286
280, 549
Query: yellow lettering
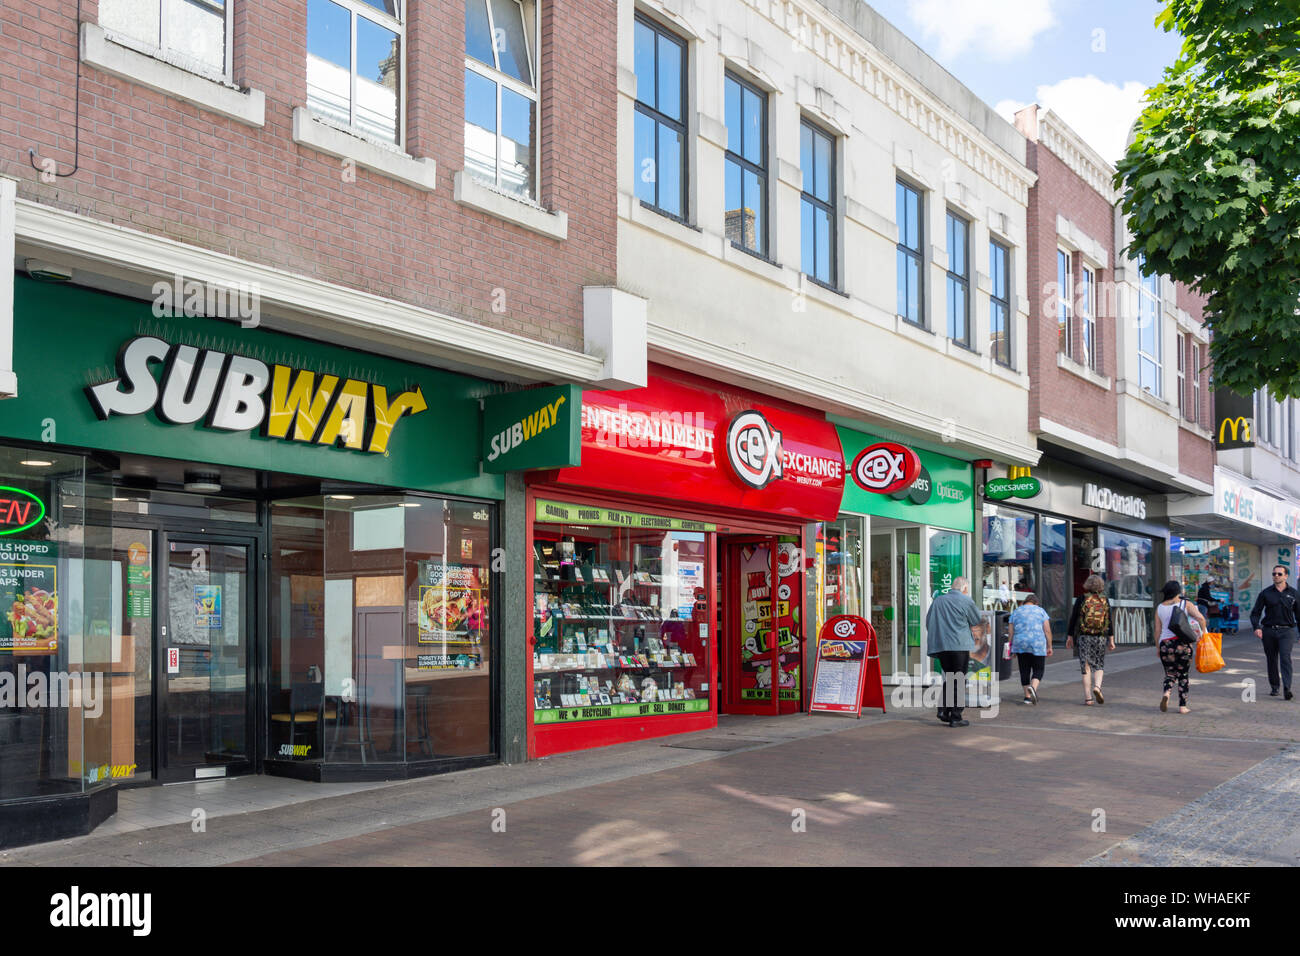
387, 416
350, 406
295, 401
530, 426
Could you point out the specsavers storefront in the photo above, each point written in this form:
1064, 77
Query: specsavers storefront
898, 541
225, 550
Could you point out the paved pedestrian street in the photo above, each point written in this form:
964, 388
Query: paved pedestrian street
1053, 784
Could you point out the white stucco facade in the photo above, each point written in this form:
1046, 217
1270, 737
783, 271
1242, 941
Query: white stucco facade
759, 322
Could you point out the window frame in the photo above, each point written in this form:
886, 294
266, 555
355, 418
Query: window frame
962, 279
1194, 372
1183, 405
1065, 301
179, 58
494, 74
1149, 287
746, 165
1087, 311
917, 254
996, 246
659, 118
359, 8
831, 208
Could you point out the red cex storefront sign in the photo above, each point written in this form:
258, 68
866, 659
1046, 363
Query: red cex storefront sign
722, 448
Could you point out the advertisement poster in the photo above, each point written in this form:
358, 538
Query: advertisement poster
450, 609
447, 662
756, 678
837, 679
913, 599
29, 591
207, 606
139, 582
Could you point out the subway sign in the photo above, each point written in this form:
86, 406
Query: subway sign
534, 428
234, 393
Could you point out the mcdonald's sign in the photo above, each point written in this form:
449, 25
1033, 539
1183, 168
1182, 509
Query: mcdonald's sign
1234, 420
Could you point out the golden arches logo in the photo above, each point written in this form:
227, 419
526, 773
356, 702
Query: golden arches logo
1240, 423
1015, 472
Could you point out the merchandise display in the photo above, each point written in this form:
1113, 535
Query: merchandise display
616, 624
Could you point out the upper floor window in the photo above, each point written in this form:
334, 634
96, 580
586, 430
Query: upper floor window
1183, 408
958, 279
1065, 302
746, 165
910, 212
1150, 362
817, 202
660, 134
1088, 315
354, 64
501, 93
1195, 374
999, 303
195, 32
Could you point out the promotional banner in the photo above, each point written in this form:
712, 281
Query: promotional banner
30, 593
678, 439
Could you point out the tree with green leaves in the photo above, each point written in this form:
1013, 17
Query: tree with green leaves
1211, 183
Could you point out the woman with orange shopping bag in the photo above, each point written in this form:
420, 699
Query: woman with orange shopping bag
1176, 622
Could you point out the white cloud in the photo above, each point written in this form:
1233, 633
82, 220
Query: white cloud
1101, 113
995, 28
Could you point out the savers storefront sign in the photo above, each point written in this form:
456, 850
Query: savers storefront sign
207, 391
695, 443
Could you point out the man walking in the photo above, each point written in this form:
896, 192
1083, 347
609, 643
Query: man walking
1274, 621
952, 625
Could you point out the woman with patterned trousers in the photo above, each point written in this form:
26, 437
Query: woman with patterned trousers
1090, 626
1175, 652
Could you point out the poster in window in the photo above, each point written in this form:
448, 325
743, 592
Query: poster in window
207, 606
29, 590
451, 608
756, 677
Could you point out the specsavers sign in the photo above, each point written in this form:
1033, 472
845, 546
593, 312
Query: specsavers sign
98, 371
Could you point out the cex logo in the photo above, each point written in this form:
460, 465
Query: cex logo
754, 449
886, 467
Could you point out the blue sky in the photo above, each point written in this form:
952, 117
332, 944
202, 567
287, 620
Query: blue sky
1087, 61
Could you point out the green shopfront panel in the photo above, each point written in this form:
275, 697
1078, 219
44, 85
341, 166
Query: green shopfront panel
243, 397
948, 502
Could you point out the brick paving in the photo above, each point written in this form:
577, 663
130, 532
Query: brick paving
1024, 787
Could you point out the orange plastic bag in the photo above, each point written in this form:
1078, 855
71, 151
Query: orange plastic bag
1209, 652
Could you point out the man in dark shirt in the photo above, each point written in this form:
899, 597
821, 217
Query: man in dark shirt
1274, 621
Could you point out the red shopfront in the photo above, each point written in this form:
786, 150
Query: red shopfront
666, 573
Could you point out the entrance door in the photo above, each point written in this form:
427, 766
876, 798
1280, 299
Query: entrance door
204, 700
762, 599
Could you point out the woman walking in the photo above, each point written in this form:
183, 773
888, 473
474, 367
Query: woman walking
1030, 631
1176, 652
1090, 625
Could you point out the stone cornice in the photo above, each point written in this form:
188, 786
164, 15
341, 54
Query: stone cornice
1082, 159
818, 31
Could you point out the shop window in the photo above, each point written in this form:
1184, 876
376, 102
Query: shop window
1010, 552
61, 639
385, 602
354, 64
192, 33
839, 569
1130, 583
620, 622
1055, 596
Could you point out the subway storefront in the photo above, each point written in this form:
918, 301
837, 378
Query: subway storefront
227, 550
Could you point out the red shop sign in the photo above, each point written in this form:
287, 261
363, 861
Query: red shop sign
885, 467
726, 448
